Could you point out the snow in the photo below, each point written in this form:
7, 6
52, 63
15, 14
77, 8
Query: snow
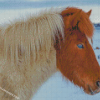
96, 43
57, 88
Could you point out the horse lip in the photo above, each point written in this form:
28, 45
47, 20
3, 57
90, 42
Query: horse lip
98, 90
94, 92
91, 91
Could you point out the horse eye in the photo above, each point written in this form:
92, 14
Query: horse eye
80, 46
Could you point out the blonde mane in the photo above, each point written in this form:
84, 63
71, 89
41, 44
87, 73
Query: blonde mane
25, 38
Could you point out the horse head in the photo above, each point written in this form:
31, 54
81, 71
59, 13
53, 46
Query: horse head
75, 56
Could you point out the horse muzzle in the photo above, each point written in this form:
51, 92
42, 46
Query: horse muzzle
95, 91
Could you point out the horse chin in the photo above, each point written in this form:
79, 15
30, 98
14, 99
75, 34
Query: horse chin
94, 92
91, 91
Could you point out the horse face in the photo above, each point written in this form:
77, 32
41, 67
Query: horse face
75, 57
77, 62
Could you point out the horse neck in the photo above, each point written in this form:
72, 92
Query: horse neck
43, 69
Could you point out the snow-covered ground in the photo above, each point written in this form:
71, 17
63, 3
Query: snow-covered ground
56, 88
96, 43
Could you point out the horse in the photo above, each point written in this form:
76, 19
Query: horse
33, 49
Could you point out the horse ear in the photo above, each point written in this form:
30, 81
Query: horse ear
65, 12
89, 13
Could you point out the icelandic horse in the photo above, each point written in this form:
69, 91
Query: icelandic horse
33, 49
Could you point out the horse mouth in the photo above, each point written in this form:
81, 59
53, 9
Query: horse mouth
94, 92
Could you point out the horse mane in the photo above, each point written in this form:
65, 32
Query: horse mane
78, 19
25, 38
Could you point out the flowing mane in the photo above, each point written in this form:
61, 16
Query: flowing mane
32, 35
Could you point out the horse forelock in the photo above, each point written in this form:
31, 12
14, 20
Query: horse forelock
75, 18
85, 25
29, 37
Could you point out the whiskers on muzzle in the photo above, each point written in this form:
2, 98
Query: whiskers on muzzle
97, 90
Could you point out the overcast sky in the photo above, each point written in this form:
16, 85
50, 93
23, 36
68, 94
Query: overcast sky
18, 4
86, 5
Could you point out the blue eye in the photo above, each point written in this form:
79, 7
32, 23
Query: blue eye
80, 46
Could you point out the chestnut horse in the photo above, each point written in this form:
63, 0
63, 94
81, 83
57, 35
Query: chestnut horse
32, 49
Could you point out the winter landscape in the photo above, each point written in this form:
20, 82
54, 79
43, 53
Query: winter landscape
57, 88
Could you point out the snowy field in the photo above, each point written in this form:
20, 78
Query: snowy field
57, 88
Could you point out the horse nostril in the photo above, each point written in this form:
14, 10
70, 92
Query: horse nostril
98, 83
